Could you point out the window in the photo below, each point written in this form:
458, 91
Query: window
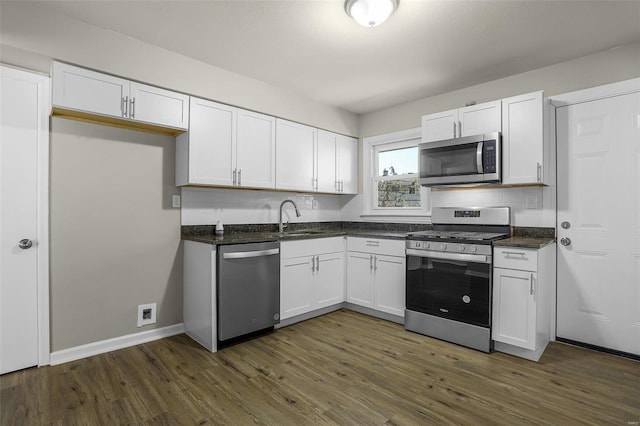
392, 188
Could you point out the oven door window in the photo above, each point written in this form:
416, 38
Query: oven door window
449, 161
457, 290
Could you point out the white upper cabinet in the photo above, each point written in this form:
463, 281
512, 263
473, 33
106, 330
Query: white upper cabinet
327, 162
523, 140
89, 94
205, 154
481, 118
439, 126
467, 121
347, 159
159, 106
295, 156
226, 146
255, 150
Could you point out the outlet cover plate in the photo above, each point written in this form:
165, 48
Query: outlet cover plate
147, 314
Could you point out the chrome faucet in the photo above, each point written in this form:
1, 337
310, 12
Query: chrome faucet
280, 224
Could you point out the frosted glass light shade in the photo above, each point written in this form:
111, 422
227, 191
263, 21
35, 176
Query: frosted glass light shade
370, 13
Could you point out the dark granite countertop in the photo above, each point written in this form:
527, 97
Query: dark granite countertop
256, 237
255, 233
524, 242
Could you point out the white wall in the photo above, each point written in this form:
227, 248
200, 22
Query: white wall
204, 206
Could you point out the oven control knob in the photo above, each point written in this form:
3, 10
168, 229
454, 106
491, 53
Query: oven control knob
417, 244
463, 247
474, 248
444, 246
428, 245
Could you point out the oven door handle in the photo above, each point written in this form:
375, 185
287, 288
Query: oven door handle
476, 258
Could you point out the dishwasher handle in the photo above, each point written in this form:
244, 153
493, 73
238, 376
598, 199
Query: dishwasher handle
247, 254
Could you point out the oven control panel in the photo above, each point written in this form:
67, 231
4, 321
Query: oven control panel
450, 247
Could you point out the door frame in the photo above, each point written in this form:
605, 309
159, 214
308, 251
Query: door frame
580, 96
42, 206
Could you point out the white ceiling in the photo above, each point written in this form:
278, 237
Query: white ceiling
426, 48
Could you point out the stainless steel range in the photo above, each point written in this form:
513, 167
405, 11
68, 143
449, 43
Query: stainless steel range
449, 275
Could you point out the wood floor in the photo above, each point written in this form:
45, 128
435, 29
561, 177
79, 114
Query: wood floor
342, 368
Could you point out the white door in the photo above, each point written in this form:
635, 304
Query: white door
439, 126
390, 284
360, 279
295, 156
158, 106
481, 118
599, 222
347, 149
211, 141
327, 161
328, 287
295, 286
23, 131
256, 150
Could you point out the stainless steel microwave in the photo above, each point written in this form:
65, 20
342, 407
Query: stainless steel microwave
466, 160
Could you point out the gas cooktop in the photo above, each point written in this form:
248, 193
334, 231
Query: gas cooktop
456, 235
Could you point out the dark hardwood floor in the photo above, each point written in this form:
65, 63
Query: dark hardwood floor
342, 368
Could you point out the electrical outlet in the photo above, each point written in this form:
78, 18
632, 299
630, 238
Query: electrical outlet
532, 202
175, 201
146, 314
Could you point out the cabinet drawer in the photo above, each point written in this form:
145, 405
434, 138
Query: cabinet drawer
376, 246
515, 258
311, 247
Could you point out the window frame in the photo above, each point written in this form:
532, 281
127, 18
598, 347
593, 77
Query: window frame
371, 147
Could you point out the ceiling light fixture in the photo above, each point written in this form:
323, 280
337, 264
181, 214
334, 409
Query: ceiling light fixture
370, 13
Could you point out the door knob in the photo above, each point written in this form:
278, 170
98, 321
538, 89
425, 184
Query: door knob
25, 244
565, 241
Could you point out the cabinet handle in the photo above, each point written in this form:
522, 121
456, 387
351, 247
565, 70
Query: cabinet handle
373, 243
370, 261
459, 129
317, 263
133, 107
531, 285
454, 129
239, 177
313, 263
315, 184
234, 176
514, 253
125, 106
539, 172
337, 186
375, 263
341, 186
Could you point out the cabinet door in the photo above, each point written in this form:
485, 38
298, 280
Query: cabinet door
79, 89
514, 307
211, 140
522, 139
389, 284
256, 150
329, 280
481, 118
347, 149
327, 160
360, 279
295, 156
295, 286
439, 126
158, 106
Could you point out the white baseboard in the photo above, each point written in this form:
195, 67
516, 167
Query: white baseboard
103, 346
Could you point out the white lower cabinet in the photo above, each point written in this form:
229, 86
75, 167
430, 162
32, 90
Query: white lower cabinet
522, 283
311, 275
376, 274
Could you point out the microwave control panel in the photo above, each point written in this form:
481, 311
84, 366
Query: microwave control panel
489, 157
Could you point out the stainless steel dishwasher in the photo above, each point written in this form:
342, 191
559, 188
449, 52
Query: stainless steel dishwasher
248, 284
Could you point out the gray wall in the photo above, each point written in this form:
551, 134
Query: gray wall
115, 240
608, 66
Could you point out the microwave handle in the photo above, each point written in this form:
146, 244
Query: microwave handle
479, 157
